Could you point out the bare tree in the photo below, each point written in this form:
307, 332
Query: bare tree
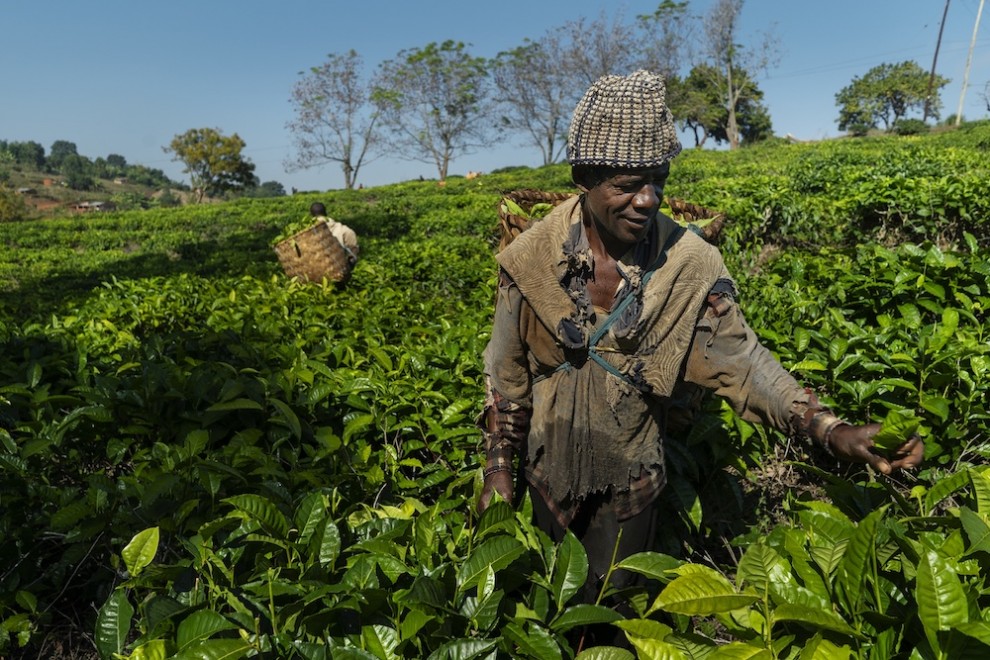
435, 102
335, 121
667, 38
986, 95
605, 46
537, 93
539, 82
727, 57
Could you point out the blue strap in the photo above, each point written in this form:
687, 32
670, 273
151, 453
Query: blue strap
612, 317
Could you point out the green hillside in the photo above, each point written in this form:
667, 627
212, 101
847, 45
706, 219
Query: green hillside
202, 458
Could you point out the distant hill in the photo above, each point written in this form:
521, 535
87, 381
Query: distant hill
48, 195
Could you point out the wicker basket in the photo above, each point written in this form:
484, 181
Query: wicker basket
511, 224
314, 254
704, 221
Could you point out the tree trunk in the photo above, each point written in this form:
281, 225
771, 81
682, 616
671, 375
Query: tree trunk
349, 175
731, 125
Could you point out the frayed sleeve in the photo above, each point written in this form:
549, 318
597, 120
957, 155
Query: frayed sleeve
727, 358
506, 359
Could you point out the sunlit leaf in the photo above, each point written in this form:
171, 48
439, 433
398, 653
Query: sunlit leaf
215, 649
814, 617
701, 594
981, 489
605, 653
761, 566
859, 555
570, 570
141, 550
740, 651
898, 426
653, 565
584, 615
941, 599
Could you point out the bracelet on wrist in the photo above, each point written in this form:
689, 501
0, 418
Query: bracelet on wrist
827, 434
819, 424
495, 468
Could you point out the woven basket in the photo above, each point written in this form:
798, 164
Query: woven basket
314, 254
511, 224
704, 221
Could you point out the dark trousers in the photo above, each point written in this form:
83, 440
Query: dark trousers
597, 527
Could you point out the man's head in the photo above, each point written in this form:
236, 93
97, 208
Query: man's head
620, 144
622, 122
317, 209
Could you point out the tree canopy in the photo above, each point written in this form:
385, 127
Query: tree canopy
30, 154
213, 161
60, 151
537, 93
696, 103
334, 119
435, 103
886, 94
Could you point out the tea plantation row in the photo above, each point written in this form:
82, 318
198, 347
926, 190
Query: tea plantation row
200, 458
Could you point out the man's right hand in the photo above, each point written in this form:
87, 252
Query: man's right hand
498, 482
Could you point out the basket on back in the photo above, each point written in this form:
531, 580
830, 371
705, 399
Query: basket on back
511, 223
703, 221
314, 254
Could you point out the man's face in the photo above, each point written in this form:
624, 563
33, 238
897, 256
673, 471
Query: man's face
624, 204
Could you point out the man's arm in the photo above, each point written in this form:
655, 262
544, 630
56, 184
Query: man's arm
505, 426
505, 420
727, 358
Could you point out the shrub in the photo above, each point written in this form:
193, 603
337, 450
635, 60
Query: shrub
12, 206
910, 127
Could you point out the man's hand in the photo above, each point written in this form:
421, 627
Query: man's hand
855, 444
498, 482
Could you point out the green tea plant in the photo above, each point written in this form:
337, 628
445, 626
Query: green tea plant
201, 458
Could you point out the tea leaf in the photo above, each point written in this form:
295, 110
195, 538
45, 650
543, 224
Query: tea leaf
141, 550
940, 595
570, 570
201, 624
701, 593
113, 622
584, 615
897, 428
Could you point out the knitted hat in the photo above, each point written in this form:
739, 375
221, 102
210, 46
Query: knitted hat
623, 121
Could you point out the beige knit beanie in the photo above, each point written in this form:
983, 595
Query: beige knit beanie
623, 121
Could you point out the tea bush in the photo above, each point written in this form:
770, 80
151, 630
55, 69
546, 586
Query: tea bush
201, 458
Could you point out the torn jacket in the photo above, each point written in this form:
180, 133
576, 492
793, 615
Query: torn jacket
581, 427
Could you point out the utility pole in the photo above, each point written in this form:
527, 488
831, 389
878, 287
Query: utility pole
969, 60
931, 77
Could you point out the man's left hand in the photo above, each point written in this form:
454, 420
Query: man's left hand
855, 444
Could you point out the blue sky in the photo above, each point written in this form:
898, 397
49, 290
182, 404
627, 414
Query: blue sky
124, 77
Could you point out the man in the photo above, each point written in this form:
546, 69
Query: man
609, 317
344, 234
